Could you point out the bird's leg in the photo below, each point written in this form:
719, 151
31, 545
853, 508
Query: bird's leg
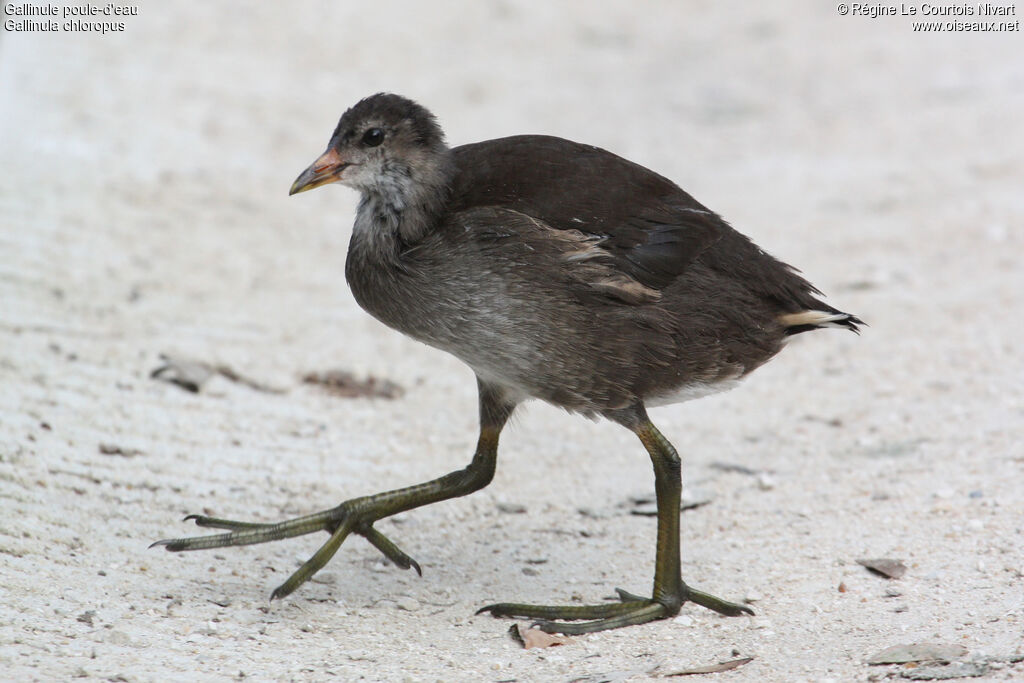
670, 592
358, 514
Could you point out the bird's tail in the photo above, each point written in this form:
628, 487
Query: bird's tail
795, 323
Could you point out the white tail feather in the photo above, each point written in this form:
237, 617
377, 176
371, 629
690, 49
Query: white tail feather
816, 318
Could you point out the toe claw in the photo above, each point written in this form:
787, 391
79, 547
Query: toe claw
546, 626
626, 596
494, 609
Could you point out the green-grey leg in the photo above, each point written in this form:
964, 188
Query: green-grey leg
358, 514
670, 592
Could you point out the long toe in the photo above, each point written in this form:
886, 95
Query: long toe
562, 612
724, 607
636, 614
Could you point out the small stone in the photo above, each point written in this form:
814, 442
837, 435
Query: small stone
530, 571
887, 567
683, 620
765, 481
121, 638
918, 652
752, 596
943, 672
408, 604
326, 578
975, 524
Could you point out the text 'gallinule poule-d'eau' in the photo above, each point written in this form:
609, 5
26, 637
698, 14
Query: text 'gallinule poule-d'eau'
556, 271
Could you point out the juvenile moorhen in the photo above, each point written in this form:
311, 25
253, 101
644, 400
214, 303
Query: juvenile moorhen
557, 271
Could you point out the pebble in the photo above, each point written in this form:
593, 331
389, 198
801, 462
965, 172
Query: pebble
975, 524
683, 620
328, 578
752, 596
121, 638
408, 604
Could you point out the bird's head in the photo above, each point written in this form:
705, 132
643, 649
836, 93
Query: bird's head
385, 145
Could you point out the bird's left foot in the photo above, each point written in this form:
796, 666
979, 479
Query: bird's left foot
630, 611
338, 522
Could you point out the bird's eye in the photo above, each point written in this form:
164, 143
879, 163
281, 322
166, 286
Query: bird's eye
373, 137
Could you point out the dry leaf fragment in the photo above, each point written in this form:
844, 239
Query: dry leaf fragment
343, 383
732, 467
534, 637
188, 374
192, 374
114, 449
646, 506
713, 668
918, 652
890, 569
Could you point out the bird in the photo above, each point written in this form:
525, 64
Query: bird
556, 271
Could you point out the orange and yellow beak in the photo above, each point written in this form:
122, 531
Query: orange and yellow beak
325, 170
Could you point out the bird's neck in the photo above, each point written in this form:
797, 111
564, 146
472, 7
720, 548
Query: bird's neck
402, 206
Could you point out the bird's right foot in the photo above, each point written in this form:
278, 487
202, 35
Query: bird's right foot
631, 610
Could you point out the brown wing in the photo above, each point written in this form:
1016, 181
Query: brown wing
574, 257
650, 227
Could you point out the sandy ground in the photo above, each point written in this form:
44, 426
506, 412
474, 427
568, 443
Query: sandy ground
143, 210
